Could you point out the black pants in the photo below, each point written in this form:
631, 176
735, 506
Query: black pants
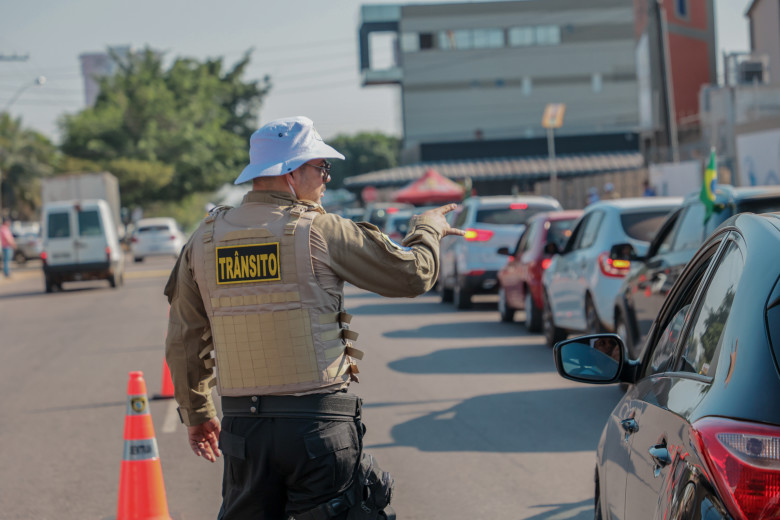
276, 467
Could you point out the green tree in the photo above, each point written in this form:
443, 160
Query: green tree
364, 152
167, 133
25, 157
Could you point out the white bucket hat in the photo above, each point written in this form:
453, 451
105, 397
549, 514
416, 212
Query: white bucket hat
283, 145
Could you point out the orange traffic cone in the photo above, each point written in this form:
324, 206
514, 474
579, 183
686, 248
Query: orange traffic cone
141, 488
167, 383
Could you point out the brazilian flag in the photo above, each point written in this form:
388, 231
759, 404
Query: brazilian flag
709, 185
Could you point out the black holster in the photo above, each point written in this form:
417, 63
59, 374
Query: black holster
367, 499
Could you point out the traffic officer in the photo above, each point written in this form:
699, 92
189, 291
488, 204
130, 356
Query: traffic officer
257, 310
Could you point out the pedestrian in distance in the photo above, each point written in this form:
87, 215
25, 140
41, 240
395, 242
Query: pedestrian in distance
648, 191
593, 195
609, 192
258, 293
8, 245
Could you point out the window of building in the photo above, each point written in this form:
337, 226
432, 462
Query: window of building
410, 42
681, 8
596, 82
548, 35
463, 39
488, 38
426, 41
446, 40
521, 36
527, 86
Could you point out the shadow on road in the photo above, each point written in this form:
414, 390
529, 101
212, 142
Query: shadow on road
582, 509
516, 422
461, 329
504, 359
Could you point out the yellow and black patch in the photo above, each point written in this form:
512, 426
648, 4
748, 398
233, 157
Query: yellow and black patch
249, 263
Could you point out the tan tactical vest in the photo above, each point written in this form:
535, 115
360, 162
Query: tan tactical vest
273, 328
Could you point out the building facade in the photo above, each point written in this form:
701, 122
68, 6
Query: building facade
475, 77
764, 22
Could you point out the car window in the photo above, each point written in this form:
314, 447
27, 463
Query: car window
663, 351
698, 354
590, 231
691, 232
513, 215
89, 223
460, 220
58, 225
559, 231
663, 242
577, 233
529, 238
763, 205
643, 225
154, 229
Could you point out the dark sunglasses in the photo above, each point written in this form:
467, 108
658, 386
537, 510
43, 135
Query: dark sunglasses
324, 170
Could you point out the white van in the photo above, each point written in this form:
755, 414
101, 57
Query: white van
80, 243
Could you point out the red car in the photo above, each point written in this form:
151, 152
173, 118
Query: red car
520, 280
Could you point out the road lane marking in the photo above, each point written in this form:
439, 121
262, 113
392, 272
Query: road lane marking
171, 418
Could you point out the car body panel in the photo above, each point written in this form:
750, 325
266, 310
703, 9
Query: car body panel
523, 270
711, 355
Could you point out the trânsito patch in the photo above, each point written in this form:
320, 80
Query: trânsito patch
249, 263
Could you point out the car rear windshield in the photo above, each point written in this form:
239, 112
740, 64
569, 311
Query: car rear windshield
58, 225
758, 206
643, 225
509, 216
89, 223
162, 228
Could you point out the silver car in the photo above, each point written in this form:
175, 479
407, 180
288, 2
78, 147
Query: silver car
156, 237
583, 279
470, 264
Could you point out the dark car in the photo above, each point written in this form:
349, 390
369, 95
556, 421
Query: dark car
520, 280
697, 435
652, 276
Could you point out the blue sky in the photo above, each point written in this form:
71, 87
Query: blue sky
309, 47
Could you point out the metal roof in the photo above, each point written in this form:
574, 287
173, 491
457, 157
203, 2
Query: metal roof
527, 168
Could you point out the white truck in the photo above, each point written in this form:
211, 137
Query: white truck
75, 186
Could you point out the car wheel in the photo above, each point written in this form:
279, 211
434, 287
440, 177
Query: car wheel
591, 317
533, 314
138, 259
112, 281
552, 334
461, 297
19, 258
507, 313
446, 294
49, 285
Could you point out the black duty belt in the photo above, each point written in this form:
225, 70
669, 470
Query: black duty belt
335, 406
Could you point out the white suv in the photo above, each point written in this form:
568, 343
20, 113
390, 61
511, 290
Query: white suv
470, 264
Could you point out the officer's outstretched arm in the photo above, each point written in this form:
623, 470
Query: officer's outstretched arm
438, 215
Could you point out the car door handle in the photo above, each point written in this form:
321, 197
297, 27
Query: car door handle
660, 455
630, 426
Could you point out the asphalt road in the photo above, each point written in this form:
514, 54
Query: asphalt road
466, 412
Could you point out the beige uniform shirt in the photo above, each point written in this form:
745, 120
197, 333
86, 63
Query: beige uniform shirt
342, 250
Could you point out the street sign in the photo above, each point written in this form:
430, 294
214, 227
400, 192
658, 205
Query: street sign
553, 115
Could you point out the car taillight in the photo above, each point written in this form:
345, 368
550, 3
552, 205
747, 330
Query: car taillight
744, 459
44, 256
613, 267
546, 263
134, 240
518, 205
478, 235
172, 237
475, 272
392, 210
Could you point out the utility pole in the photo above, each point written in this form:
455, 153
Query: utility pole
666, 75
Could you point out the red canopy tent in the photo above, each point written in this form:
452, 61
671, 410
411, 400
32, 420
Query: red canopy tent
431, 188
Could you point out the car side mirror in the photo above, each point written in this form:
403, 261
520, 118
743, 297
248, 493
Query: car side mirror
623, 252
596, 359
551, 248
504, 251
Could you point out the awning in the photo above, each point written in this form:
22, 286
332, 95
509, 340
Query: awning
431, 188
